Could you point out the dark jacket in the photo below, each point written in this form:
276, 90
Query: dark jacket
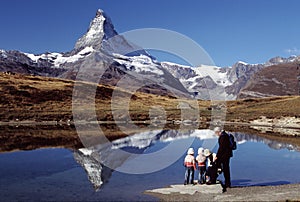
224, 151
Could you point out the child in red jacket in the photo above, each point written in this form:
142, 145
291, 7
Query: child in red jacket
190, 164
201, 160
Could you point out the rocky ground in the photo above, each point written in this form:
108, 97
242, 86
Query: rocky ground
288, 192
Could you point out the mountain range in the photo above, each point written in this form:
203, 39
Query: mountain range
101, 49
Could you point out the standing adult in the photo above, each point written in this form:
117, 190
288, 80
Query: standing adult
224, 154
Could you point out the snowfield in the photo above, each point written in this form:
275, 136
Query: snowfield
58, 59
140, 64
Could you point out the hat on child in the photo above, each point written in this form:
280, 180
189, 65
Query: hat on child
207, 152
190, 151
200, 150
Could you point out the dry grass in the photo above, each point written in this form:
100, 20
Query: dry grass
275, 107
49, 99
44, 99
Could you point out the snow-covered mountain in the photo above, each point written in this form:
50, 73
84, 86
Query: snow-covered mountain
204, 82
213, 82
101, 49
101, 35
100, 30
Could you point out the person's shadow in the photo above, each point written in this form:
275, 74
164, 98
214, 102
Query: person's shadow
247, 183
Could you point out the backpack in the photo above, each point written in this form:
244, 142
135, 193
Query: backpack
233, 145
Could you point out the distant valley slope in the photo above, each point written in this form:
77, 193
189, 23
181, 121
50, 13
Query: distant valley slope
277, 80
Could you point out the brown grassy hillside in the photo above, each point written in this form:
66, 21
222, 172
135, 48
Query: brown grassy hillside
48, 99
274, 107
276, 80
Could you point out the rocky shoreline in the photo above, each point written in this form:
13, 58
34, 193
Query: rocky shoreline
289, 192
282, 122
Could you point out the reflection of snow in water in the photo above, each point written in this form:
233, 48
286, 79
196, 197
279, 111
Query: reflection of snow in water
271, 143
123, 152
292, 155
241, 141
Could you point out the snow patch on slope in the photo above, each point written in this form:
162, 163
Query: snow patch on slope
58, 59
175, 64
140, 64
3, 53
243, 63
204, 81
215, 73
202, 71
73, 58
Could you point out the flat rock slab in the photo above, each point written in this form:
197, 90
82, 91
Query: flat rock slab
214, 193
189, 189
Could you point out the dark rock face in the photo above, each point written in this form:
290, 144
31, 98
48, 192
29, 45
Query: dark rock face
243, 70
179, 71
205, 82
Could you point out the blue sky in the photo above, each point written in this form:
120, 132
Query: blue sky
229, 30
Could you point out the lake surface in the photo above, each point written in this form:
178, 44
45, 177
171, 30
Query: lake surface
108, 172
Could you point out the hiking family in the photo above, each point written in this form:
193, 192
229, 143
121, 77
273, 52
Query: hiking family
211, 164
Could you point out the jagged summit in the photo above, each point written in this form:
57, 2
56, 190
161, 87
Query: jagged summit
279, 60
99, 13
102, 36
101, 28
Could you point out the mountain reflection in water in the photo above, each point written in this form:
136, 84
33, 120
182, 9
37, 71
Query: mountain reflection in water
101, 160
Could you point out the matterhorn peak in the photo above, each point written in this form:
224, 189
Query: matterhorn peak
101, 28
99, 13
102, 36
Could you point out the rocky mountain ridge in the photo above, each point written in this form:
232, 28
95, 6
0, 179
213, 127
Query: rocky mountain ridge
102, 49
227, 82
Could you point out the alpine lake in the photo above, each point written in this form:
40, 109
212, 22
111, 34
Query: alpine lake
57, 169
